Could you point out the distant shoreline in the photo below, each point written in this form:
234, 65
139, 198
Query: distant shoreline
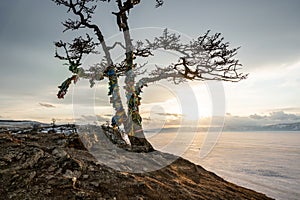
293, 127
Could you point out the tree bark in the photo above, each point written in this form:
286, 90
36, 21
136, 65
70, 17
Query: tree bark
133, 125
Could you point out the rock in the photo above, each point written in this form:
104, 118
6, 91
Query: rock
85, 176
68, 174
96, 184
75, 142
55, 166
31, 175
59, 152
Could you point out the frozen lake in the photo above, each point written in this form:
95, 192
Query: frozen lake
268, 162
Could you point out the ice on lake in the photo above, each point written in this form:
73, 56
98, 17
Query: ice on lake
268, 162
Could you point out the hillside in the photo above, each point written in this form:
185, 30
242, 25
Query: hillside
36, 165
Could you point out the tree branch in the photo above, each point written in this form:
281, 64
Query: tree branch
75, 50
207, 58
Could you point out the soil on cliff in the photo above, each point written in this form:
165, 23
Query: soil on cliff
37, 165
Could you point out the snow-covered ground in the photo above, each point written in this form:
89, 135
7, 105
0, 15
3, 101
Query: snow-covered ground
18, 127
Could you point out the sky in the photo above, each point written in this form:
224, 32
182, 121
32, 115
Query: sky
267, 31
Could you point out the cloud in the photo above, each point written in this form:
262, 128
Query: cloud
282, 116
94, 118
295, 110
256, 116
47, 105
170, 114
160, 120
277, 117
162, 94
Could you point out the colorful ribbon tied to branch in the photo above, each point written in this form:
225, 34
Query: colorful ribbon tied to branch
133, 105
112, 80
63, 88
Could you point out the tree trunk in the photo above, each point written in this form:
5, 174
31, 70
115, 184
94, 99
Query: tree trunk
133, 125
138, 141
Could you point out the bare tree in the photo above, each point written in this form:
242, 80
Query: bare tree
205, 58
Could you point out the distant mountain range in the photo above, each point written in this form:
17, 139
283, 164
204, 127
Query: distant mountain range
17, 121
19, 125
284, 127
274, 127
228, 127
